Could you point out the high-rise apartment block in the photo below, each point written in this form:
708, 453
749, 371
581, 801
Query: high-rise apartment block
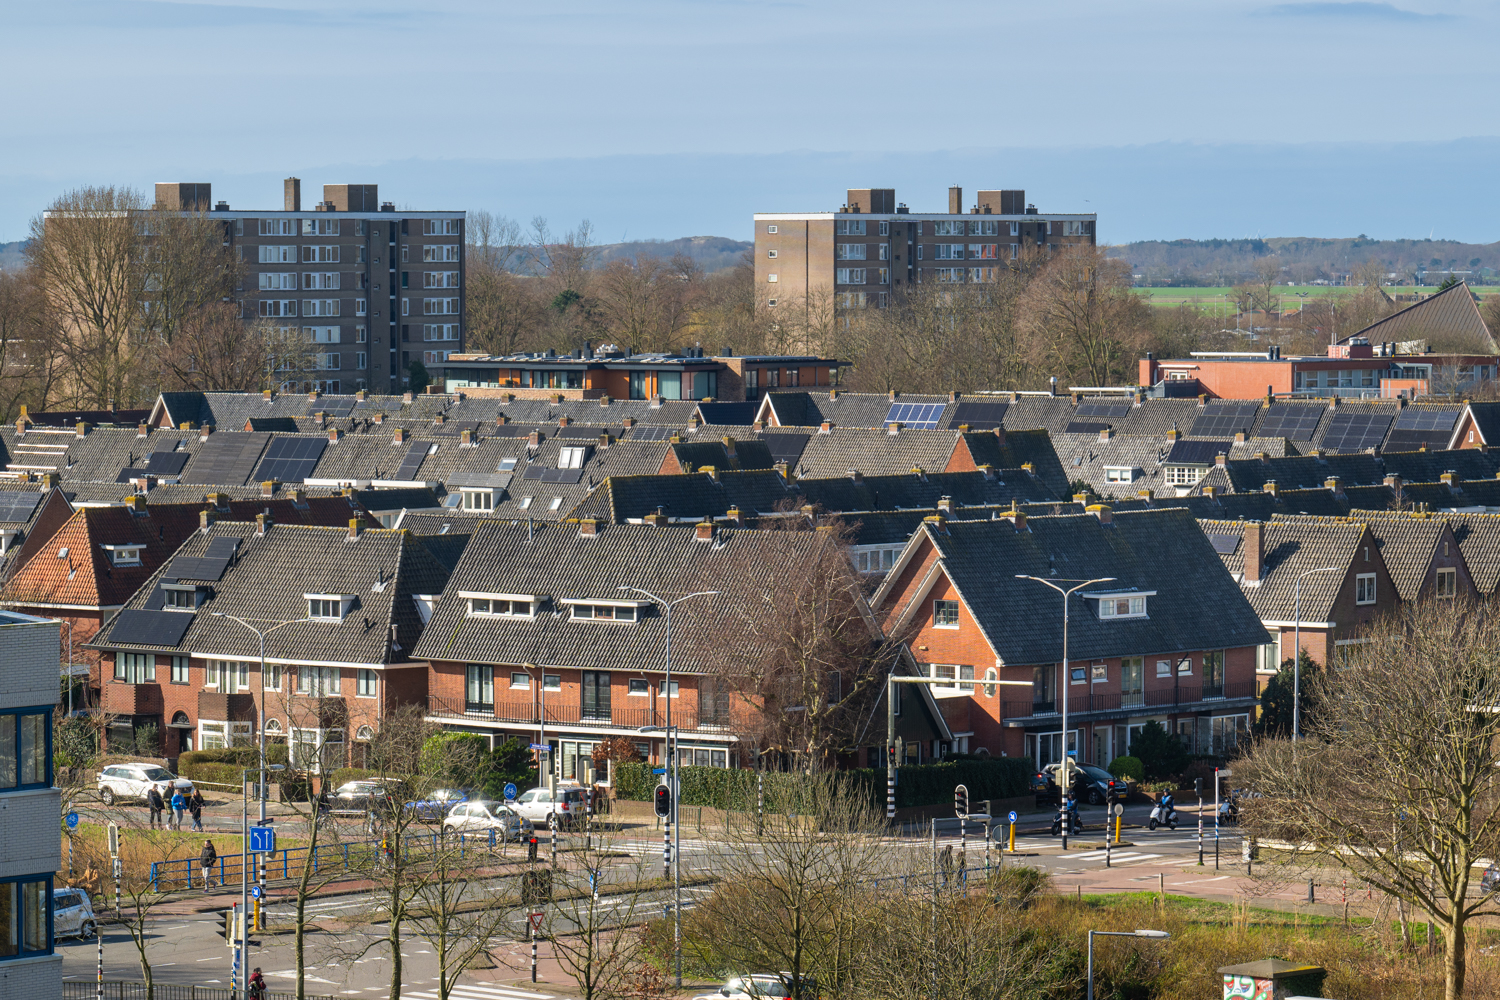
374, 289
873, 246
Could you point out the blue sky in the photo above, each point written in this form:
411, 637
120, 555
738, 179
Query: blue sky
666, 118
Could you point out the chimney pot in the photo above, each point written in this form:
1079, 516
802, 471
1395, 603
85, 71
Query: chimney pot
826, 427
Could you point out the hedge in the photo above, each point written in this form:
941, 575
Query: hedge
921, 785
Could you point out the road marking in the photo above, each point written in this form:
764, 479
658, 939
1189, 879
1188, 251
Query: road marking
1199, 881
465, 992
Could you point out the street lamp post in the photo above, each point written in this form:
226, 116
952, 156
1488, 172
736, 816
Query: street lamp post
1135, 934
1297, 653
244, 928
1067, 678
674, 774
260, 723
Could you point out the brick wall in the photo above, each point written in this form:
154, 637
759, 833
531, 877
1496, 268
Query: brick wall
29, 663
37, 978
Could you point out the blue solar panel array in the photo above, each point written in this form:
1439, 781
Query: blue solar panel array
924, 416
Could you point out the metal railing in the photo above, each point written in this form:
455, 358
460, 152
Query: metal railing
527, 712
1172, 697
353, 857
120, 990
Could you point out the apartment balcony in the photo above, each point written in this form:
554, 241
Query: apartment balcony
528, 713
1104, 705
121, 698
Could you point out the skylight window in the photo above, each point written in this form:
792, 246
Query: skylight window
506, 465
570, 458
525, 503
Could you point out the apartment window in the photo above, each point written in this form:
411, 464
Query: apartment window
948, 275
965, 678
849, 227
435, 307
359, 334
271, 308
885, 228
322, 334
945, 614
885, 251
135, 668
440, 227
1185, 667
1447, 582
884, 276
947, 673
440, 331
278, 255
328, 362
989, 688
771, 278
278, 227
849, 275
319, 280
320, 227
604, 612
320, 307
439, 279
1098, 673
593, 702
1015, 229
1122, 607
228, 676
638, 686
946, 251
1015, 251
365, 683
661, 688
771, 254
479, 687
25, 917
479, 499
949, 228
1133, 680
359, 255
435, 357
1364, 588
361, 308
1072, 228
498, 606
849, 251
441, 252
363, 360
984, 251
770, 229
318, 681
984, 227
320, 255
551, 682
978, 274
278, 281
847, 300
180, 673
520, 681
1164, 668
272, 679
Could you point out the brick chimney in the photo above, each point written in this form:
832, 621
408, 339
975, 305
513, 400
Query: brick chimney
142, 429
1174, 433
137, 504
893, 395
659, 519
712, 471
1334, 485
735, 515
1000, 436
1393, 481
466, 438
945, 504
144, 483
857, 476
313, 395
320, 418
1144, 494
356, 527
629, 423
399, 437
729, 446
704, 531
604, 439
919, 472
1239, 437
826, 427
268, 488
534, 439
1221, 461
267, 395
564, 421
333, 435
1449, 480
1081, 498
20, 427
893, 428
1016, 516
205, 519
588, 528
833, 394
81, 429
262, 522
989, 473
1269, 487
786, 471
1105, 514
379, 417
1255, 551
406, 397
1105, 433
442, 418
299, 497
205, 431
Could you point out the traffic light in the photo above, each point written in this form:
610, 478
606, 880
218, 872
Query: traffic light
531, 848
230, 928
1198, 787
663, 800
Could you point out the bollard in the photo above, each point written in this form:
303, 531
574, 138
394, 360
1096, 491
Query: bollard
1161, 889
1108, 850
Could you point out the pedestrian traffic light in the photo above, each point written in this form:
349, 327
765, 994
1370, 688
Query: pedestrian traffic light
663, 800
1198, 787
531, 848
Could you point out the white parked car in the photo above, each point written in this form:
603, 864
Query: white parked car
538, 806
756, 987
73, 914
484, 815
129, 782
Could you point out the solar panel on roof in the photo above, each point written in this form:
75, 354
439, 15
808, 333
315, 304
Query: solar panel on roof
786, 447
456, 428
1224, 544
1413, 419
166, 463
223, 547
1350, 432
579, 431
16, 507
150, 628
653, 432
978, 416
1295, 422
534, 472
510, 431
333, 406
1224, 419
1196, 452
922, 416
227, 459
198, 567
1085, 427
1102, 410
290, 459
168, 444
411, 462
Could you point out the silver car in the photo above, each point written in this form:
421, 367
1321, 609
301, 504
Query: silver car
483, 815
73, 914
130, 782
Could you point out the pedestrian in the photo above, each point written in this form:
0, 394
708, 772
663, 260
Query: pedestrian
195, 809
206, 858
945, 861
256, 987
178, 805
156, 804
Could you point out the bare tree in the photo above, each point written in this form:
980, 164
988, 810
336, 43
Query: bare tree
1415, 713
646, 301
31, 356
504, 310
189, 267
1081, 318
592, 930
214, 350
451, 908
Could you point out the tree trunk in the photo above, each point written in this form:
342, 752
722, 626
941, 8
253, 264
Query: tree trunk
1454, 986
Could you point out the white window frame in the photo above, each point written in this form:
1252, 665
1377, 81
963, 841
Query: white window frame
278, 254
124, 555
514, 603
320, 607
1135, 607
322, 254
319, 682
1365, 588
1448, 574
278, 281
366, 683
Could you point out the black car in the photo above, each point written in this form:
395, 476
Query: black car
1091, 784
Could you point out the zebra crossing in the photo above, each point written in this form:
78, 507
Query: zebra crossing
465, 991
1116, 858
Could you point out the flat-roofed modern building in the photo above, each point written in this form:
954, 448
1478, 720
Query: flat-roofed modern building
873, 246
374, 288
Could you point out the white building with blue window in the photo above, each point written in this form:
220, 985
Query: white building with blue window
30, 820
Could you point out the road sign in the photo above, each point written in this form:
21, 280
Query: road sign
72, 821
262, 840
510, 791
114, 840
540, 747
1012, 816
536, 920
658, 770
1119, 809
255, 892
960, 801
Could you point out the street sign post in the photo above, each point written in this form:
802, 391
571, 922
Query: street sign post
1012, 819
510, 791
255, 892
262, 840
540, 747
535, 920
72, 821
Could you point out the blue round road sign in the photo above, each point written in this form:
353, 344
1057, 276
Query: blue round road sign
72, 820
1012, 815
510, 791
255, 892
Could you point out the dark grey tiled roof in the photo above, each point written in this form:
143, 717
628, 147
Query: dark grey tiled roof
1408, 547
1196, 606
270, 574
1293, 546
1478, 537
552, 560
846, 409
874, 452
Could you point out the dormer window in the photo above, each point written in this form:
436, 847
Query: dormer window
182, 596
479, 499
501, 605
1122, 604
328, 607
124, 555
605, 612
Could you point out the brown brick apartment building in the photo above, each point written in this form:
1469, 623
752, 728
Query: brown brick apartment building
379, 288
872, 246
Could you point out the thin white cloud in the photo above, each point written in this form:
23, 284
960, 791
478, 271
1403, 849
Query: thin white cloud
1354, 11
